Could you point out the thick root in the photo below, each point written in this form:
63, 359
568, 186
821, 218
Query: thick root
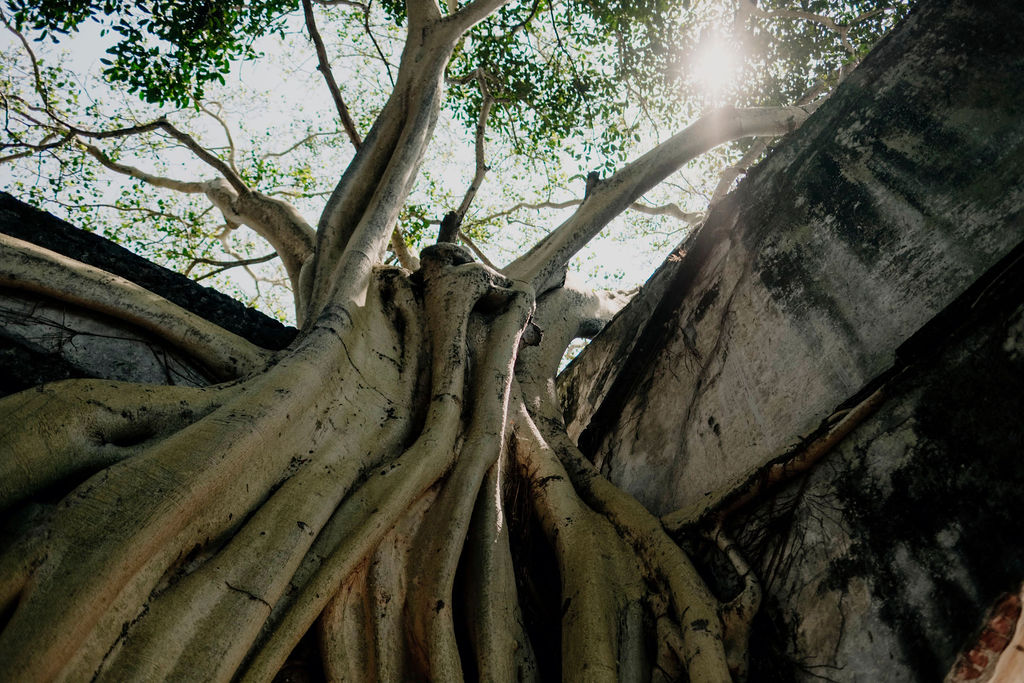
113, 540
602, 591
226, 531
494, 618
71, 429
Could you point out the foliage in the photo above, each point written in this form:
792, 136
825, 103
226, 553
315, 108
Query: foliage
575, 87
167, 50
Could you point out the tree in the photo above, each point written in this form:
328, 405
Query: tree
389, 451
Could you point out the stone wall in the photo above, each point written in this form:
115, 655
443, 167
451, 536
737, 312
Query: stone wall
877, 213
877, 246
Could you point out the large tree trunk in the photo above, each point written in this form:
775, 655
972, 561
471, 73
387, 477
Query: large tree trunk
397, 485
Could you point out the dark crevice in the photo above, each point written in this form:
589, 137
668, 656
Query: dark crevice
537, 577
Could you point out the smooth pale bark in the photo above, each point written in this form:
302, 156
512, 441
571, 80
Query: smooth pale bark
274, 220
363, 460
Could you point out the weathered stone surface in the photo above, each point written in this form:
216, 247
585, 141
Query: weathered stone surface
886, 204
880, 243
46, 341
880, 564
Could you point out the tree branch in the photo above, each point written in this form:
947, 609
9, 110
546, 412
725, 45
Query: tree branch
204, 154
325, 69
273, 219
359, 218
479, 146
405, 256
29, 148
160, 124
421, 13
37, 77
346, 3
193, 187
730, 174
476, 250
473, 13
843, 30
227, 265
671, 209
298, 144
614, 194
376, 45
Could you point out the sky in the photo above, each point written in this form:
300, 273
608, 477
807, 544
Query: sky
619, 259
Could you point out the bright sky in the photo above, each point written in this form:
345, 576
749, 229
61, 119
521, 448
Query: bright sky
618, 259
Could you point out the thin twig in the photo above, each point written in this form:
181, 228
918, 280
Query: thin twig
521, 25
227, 134
843, 30
476, 250
376, 45
40, 87
189, 187
298, 144
41, 146
325, 68
159, 124
346, 3
670, 209
227, 265
480, 147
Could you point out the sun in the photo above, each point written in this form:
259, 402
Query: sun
715, 66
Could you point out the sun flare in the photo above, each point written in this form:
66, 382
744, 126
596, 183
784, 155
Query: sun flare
715, 66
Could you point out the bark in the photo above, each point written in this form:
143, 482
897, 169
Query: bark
399, 483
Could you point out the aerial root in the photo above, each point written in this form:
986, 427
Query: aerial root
242, 495
602, 590
664, 564
74, 428
362, 630
346, 630
493, 615
114, 539
367, 516
444, 529
693, 606
668, 665
738, 613
188, 622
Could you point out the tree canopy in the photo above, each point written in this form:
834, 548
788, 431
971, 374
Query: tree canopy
553, 92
